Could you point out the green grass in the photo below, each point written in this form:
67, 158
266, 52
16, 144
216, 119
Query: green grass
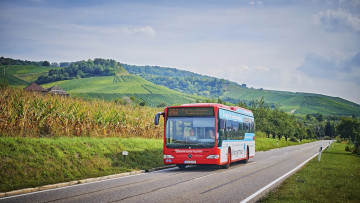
29, 162
32, 162
334, 179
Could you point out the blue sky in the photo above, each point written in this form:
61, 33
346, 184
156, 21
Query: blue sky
299, 46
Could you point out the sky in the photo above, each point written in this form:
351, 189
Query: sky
299, 46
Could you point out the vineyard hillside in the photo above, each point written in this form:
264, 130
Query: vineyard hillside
117, 87
152, 85
23, 74
298, 103
292, 102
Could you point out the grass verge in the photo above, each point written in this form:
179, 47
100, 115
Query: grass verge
32, 162
334, 179
263, 144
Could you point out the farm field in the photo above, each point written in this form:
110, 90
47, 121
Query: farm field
27, 114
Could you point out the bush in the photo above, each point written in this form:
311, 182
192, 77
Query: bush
338, 139
260, 134
349, 148
293, 139
162, 104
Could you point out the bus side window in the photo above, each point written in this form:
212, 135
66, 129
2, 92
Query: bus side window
221, 130
221, 137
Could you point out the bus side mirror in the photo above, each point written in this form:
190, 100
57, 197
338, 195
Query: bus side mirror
157, 118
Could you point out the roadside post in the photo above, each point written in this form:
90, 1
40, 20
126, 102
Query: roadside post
319, 157
125, 153
277, 142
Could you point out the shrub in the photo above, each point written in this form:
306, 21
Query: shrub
293, 139
338, 139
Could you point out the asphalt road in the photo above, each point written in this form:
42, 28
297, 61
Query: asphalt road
194, 184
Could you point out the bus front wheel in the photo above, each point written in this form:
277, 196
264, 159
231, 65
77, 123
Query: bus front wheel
227, 165
181, 166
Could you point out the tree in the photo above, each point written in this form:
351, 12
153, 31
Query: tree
54, 64
330, 129
309, 117
319, 117
349, 128
46, 63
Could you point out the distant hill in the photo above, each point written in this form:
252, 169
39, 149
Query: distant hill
83, 69
110, 80
25, 73
116, 87
197, 84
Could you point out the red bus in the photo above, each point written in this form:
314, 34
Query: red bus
207, 133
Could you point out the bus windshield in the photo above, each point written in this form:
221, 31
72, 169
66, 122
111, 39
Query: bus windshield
190, 132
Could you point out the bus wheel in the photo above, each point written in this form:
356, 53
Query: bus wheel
227, 165
181, 166
247, 156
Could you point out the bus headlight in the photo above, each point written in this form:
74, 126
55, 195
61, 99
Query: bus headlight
213, 156
168, 156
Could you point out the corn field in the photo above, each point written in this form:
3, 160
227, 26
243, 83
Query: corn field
28, 114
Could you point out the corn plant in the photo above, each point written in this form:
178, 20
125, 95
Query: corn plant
29, 114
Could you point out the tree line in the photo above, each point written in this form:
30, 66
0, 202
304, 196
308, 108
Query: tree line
10, 61
276, 123
83, 69
160, 71
192, 85
182, 81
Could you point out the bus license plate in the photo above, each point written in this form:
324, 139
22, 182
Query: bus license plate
189, 162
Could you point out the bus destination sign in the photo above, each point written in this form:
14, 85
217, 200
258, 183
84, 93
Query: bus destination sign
191, 111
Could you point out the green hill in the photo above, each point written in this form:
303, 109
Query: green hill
117, 87
298, 103
78, 79
110, 88
192, 83
25, 73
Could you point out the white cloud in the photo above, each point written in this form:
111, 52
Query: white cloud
256, 3
337, 19
145, 30
331, 67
